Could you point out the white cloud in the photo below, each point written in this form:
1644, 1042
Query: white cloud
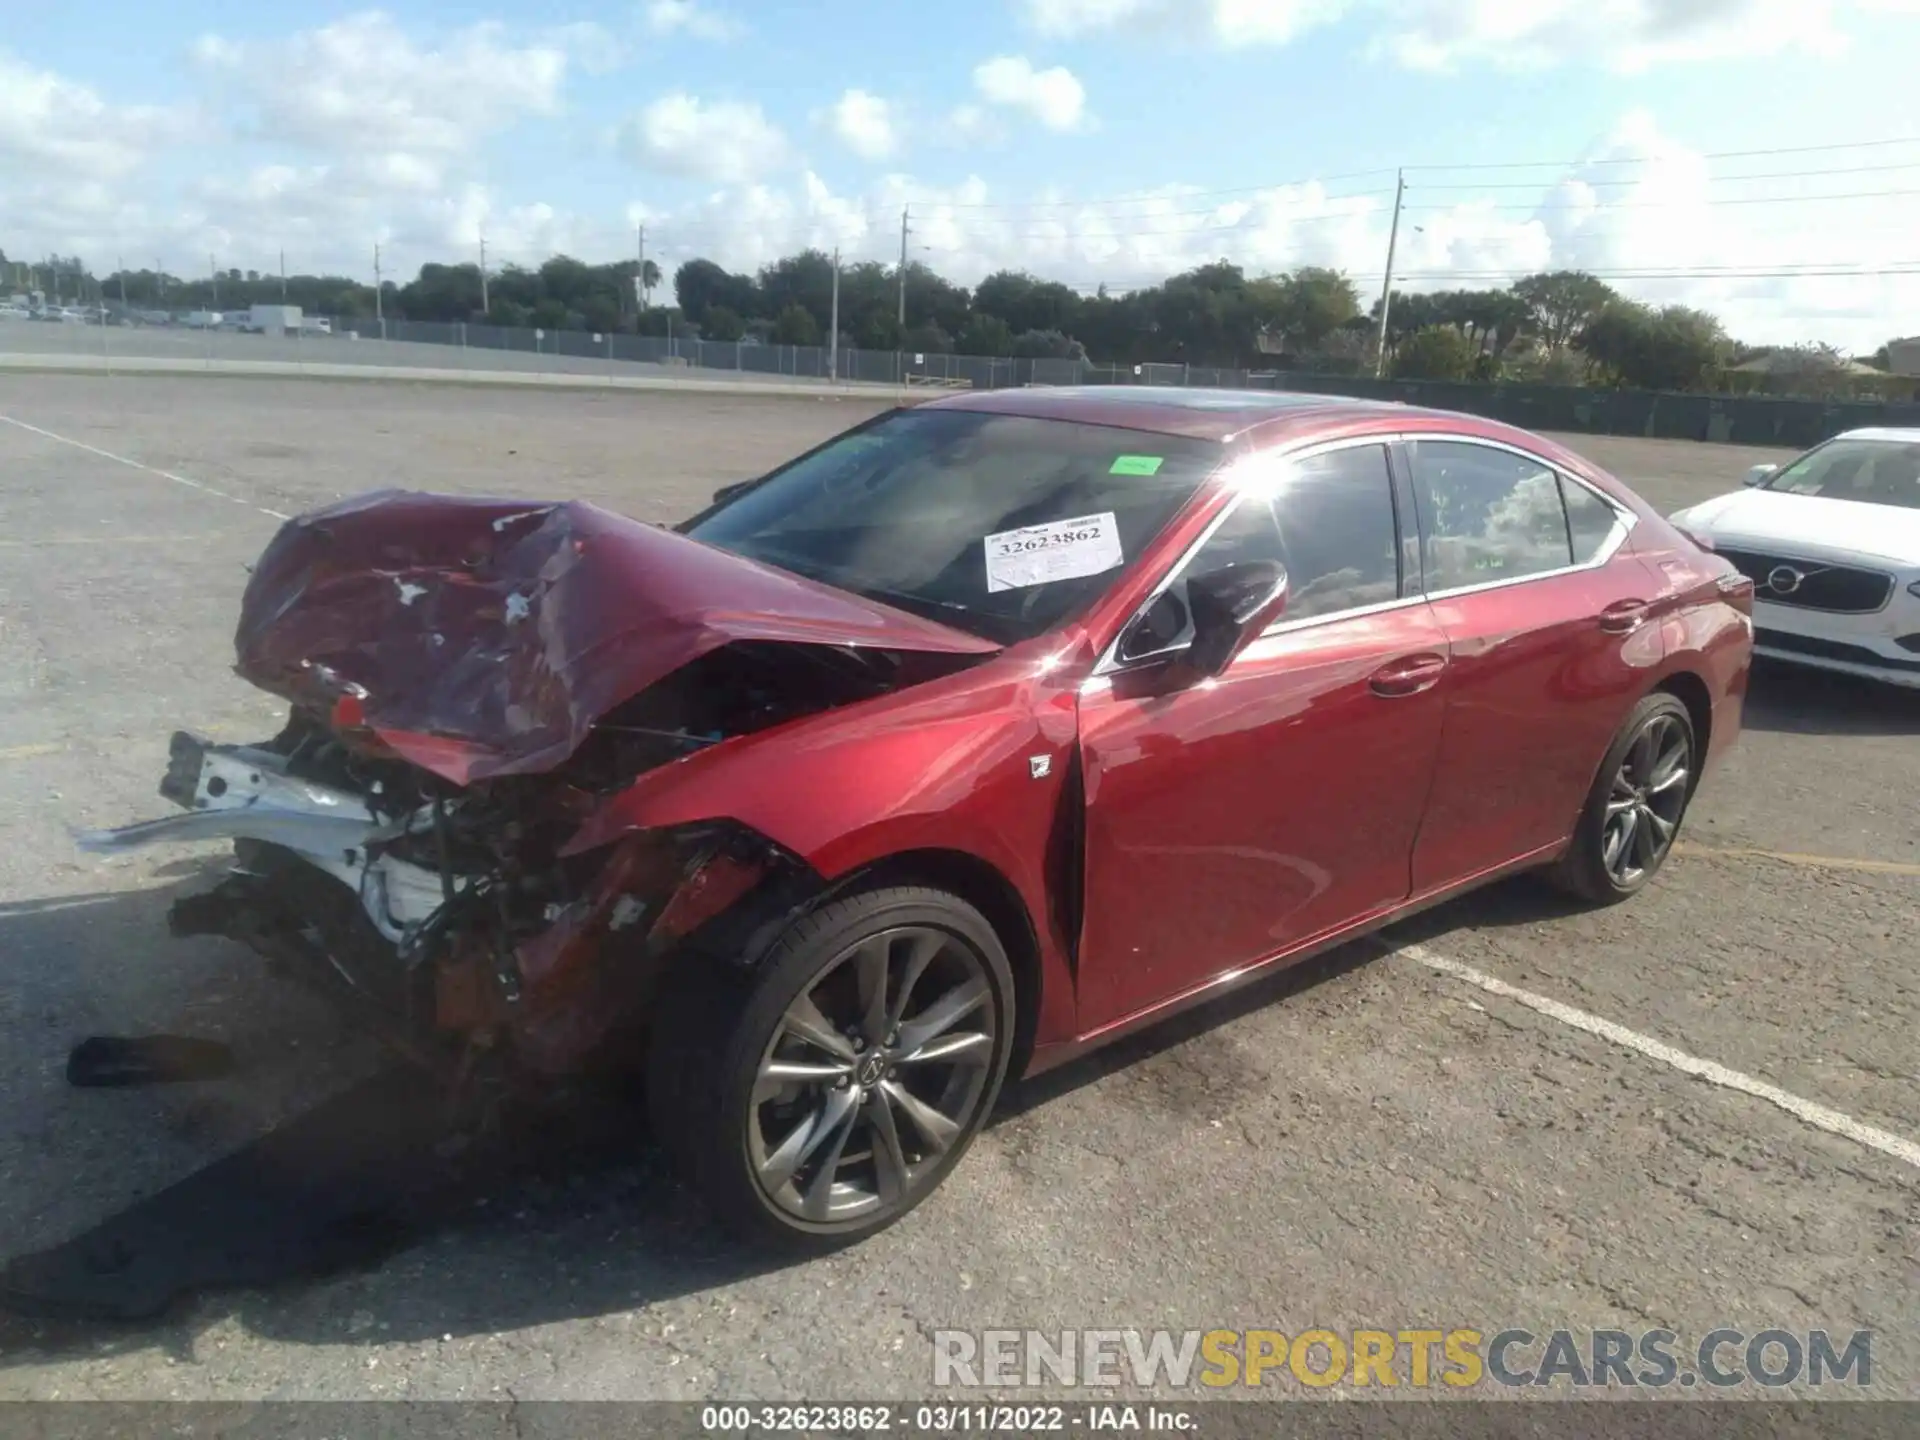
590, 45
1054, 96
1624, 35
1639, 207
1270, 22
685, 17
724, 140
363, 83
1229, 22
866, 124
67, 130
971, 125
405, 169
1079, 17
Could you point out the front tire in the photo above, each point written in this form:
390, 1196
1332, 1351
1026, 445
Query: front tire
1634, 811
819, 1097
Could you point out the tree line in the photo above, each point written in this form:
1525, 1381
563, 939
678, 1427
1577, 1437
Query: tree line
1565, 326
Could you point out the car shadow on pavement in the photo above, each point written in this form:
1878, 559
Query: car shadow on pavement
365, 1219
1797, 700
298, 1228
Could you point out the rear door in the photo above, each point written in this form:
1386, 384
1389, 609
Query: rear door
1545, 607
1234, 818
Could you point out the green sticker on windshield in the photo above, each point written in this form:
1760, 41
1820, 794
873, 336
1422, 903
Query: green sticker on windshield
1137, 465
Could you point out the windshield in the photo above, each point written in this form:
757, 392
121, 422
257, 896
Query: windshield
1001, 525
1879, 472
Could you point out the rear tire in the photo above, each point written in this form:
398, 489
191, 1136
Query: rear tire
1633, 813
809, 1112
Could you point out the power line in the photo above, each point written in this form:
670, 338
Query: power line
1147, 198
718, 227
1675, 204
1141, 197
1711, 179
1649, 273
1810, 272
1708, 155
1253, 218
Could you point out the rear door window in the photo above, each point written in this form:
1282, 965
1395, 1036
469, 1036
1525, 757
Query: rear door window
1487, 515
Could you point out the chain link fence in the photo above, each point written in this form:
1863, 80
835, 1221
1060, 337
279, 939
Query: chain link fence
1746, 420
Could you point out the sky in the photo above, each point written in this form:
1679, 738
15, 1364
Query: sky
1759, 158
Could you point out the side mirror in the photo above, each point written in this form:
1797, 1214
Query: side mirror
1230, 606
1158, 630
1760, 473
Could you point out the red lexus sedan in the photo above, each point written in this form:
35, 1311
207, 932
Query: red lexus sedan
988, 731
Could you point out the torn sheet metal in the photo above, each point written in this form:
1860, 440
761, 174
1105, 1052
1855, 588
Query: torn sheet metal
480, 637
237, 792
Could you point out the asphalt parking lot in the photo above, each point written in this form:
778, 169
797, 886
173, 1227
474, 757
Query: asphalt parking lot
1372, 1142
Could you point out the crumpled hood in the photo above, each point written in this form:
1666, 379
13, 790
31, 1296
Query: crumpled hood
481, 637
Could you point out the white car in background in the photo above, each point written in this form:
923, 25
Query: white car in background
1832, 545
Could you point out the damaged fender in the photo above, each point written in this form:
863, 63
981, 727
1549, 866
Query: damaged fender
956, 765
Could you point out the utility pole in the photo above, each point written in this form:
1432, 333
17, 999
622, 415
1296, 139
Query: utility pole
123, 280
213, 269
903, 277
833, 325
1386, 291
283, 276
640, 280
379, 309
486, 306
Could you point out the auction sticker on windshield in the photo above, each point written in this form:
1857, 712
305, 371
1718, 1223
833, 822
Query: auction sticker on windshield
1058, 550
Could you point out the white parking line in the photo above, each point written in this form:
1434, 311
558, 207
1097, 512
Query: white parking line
1818, 1116
137, 465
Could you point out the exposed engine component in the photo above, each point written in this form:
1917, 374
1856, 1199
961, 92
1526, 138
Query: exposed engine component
243, 792
446, 912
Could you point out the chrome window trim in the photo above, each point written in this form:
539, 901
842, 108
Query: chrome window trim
1625, 520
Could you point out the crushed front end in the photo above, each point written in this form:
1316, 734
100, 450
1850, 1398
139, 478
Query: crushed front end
469, 681
446, 916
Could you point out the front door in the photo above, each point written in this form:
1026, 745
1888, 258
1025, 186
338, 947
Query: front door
1234, 818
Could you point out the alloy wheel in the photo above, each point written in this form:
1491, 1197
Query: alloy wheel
1644, 804
875, 1071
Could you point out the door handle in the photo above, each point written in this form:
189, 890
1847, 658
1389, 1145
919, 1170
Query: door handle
1408, 675
1623, 617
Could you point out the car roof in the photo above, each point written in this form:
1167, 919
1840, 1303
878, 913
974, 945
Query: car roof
1194, 412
